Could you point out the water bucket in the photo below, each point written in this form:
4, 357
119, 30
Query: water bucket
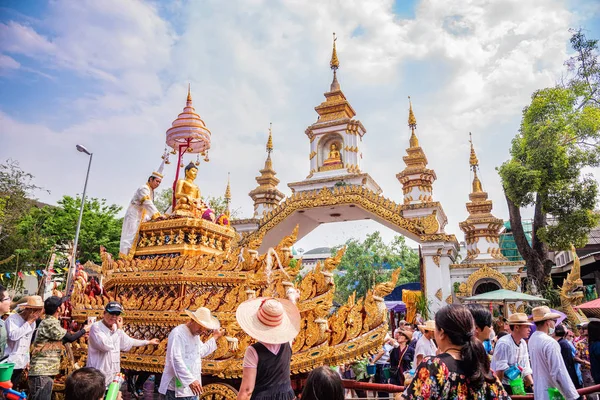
6, 370
386, 373
517, 386
371, 369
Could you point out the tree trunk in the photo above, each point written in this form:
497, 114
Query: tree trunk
535, 266
540, 248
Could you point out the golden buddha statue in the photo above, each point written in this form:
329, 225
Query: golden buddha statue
187, 194
334, 161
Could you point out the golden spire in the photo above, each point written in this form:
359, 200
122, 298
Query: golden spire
334, 63
412, 124
189, 98
228, 190
474, 163
270, 141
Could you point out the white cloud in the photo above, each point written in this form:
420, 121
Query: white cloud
469, 66
8, 63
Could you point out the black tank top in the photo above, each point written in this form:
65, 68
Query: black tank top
273, 374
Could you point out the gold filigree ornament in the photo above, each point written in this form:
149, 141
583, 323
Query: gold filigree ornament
438, 294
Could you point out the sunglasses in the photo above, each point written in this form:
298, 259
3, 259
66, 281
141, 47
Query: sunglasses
115, 313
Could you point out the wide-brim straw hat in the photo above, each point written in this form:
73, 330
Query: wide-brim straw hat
518, 319
33, 302
428, 326
543, 313
203, 317
269, 320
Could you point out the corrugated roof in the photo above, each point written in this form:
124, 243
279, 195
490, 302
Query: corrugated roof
319, 250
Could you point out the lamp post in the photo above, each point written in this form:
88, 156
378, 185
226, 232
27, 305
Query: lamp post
81, 149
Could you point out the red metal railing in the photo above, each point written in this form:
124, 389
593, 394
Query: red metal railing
379, 387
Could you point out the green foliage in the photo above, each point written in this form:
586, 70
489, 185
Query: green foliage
559, 136
50, 227
367, 263
422, 306
16, 199
163, 199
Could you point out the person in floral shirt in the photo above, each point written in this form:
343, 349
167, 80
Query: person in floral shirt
582, 356
461, 370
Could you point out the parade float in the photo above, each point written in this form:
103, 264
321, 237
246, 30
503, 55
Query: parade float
190, 258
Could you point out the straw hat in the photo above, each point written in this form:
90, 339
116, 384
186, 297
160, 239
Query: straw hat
428, 326
269, 320
33, 302
543, 313
518, 319
203, 317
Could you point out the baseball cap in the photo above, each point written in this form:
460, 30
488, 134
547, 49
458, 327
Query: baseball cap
52, 303
113, 306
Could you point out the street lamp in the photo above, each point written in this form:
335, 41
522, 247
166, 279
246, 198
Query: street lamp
81, 149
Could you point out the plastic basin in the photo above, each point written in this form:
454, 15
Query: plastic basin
6, 370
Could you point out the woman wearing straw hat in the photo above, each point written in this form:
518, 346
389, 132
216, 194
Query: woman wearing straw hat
274, 323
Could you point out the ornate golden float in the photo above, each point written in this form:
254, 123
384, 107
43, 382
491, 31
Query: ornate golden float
184, 263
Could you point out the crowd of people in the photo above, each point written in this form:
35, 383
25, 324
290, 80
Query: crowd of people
464, 353
461, 353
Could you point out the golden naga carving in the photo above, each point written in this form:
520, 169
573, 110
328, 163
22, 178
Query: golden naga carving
571, 293
155, 288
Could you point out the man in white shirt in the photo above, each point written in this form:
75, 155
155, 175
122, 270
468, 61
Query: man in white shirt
107, 340
19, 330
549, 370
425, 346
511, 351
182, 375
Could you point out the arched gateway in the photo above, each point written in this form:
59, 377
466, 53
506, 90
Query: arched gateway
337, 189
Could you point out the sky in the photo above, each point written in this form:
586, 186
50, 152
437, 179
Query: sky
112, 75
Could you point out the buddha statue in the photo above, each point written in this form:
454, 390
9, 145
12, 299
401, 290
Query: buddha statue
187, 195
334, 161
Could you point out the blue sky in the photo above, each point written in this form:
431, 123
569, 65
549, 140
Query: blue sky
112, 75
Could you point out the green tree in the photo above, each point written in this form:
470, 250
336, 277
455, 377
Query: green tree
371, 261
54, 227
16, 199
558, 137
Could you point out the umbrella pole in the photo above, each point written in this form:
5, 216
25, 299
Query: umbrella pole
505, 309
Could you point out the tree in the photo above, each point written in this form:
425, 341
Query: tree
367, 263
54, 227
16, 199
558, 137
163, 200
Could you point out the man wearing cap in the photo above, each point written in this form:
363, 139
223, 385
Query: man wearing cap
141, 209
549, 370
182, 375
425, 346
511, 352
106, 341
47, 350
19, 330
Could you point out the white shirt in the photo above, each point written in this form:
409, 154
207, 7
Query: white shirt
508, 353
184, 361
105, 347
385, 358
424, 347
19, 334
549, 368
141, 209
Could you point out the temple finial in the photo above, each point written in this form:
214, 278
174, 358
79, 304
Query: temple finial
474, 163
270, 140
412, 123
228, 190
189, 96
334, 63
